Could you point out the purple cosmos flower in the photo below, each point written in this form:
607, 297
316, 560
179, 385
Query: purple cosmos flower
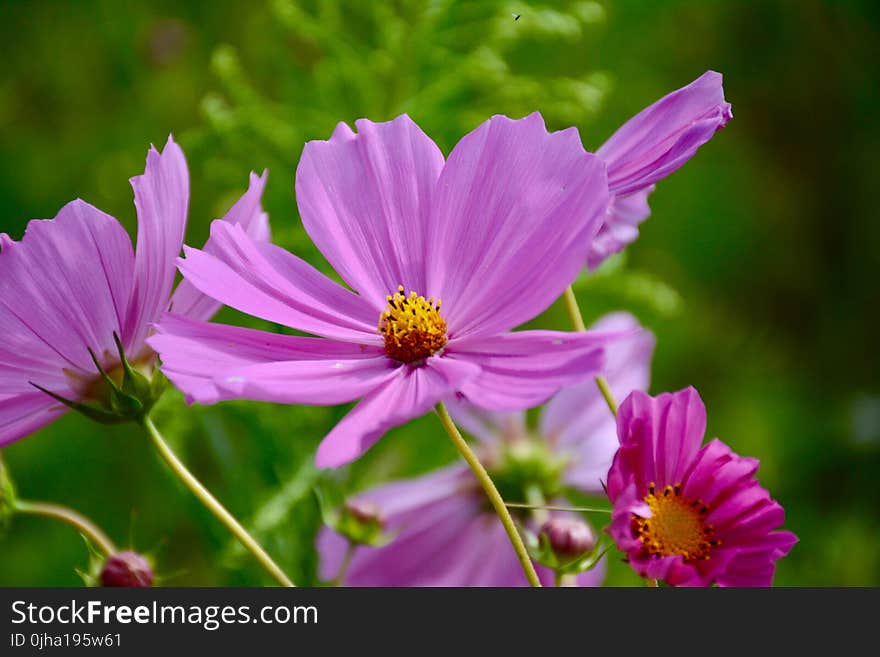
497, 231
650, 146
447, 535
74, 281
689, 515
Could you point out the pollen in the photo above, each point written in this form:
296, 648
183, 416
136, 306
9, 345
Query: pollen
676, 526
412, 327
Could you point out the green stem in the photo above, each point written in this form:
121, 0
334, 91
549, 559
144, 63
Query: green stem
557, 578
577, 322
346, 562
491, 492
76, 520
213, 505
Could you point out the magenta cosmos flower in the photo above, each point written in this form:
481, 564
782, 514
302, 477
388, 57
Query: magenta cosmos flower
497, 232
445, 532
74, 281
653, 144
686, 514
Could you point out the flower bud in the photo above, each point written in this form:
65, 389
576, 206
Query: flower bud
569, 538
364, 511
128, 569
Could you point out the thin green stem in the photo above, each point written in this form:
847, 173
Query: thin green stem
577, 322
213, 505
557, 578
491, 492
76, 520
346, 562
517, 505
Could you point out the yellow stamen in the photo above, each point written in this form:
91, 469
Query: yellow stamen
412, 326
676, 525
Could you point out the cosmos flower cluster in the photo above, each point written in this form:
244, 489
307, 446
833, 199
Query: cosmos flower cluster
441, 259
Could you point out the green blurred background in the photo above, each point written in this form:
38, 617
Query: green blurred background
757, 271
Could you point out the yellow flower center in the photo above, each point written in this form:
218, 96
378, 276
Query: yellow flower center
412, 327
675, 527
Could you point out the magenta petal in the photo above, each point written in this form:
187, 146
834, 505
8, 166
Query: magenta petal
515, 210
523, 369
248, 213
578, 420
661, 138
266, 281
364, 199
23, 414
161, 196
63, 290
409, 394
211, 362
665, 431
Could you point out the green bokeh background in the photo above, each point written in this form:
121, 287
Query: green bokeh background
757, 271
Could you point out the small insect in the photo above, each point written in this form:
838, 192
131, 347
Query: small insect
516, 16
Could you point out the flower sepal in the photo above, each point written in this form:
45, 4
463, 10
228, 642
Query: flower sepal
566, 545
126, 397
360, 521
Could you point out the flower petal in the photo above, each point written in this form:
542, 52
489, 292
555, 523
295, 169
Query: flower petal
662, 435
364, 200
161, 196
212, 362
523, 369
63, 290
264, 280
621, 226
248, 213
515, 211
577, 419
661, 138
409, 394
23, 414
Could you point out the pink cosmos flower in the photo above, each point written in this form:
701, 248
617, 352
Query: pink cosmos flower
74, 281
446, 534
653, 144
497, 232
686, 514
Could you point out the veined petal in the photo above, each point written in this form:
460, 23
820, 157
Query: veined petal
577, 419
364, 200
621, 226
664, 432
212, 362
161, 196
248, 213
661, 138
264, 280
412, 392
23, 414
514, 213
63, 290
523, 369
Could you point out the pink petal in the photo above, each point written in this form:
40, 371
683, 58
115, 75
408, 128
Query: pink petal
63, 289
523, 369
661, 138
578, 420
411, 393
248, 213
364, 199
515, 210
21, 415
264, 280
212, 362
161, 196
621, 226
665, 433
